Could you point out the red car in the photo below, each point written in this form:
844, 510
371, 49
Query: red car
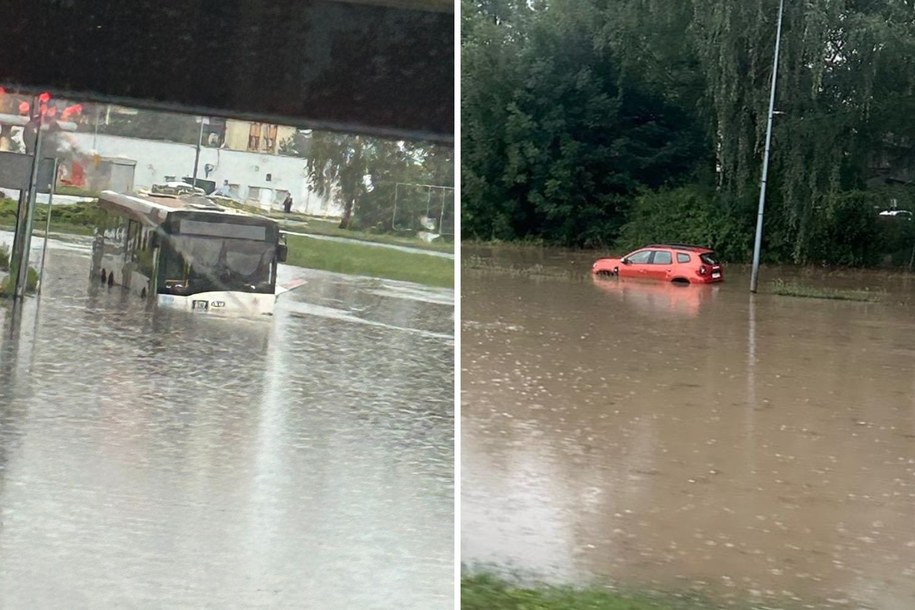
665, 262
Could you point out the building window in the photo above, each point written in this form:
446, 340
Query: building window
254, 136
270, 138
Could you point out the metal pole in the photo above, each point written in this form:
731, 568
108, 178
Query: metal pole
47, 224
441, 217
394, 213
24, 233
754, 275
197, 156
98, 113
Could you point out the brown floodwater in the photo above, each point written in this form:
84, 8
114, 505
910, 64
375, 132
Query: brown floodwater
753, 448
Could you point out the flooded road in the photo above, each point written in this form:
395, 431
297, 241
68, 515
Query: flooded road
157, 458
689, 438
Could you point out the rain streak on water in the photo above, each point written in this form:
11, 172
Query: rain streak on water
668, 437
156, 458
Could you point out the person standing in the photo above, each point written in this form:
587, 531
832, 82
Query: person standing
224, 191
287, 203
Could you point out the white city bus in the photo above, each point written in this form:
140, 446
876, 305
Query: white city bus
184, 251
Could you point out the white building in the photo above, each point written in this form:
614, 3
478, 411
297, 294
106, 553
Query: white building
258, 178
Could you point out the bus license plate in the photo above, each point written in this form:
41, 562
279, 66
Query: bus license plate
200, 305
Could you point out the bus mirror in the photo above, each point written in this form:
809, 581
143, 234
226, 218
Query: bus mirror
281, 252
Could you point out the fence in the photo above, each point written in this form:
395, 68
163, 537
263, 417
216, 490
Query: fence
423, 207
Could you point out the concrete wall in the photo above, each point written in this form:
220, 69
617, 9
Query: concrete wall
250, 171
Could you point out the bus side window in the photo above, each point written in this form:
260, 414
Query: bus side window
132, 239
145, 253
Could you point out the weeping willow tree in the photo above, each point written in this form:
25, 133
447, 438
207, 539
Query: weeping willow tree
845, 78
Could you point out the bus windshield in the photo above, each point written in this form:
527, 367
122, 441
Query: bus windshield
195, 264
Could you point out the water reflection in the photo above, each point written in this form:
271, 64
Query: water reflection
760, 449
303, 461
658, 298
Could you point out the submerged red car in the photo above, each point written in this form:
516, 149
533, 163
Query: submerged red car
666, 262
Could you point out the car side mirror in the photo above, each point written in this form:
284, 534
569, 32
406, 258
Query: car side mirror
625, 261
281, 251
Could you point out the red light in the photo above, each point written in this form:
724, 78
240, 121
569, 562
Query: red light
44, 97
71, 110
23, 107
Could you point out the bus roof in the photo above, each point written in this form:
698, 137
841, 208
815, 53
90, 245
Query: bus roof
152, 210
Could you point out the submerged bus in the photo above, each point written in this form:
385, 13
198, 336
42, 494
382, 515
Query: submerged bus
183, 251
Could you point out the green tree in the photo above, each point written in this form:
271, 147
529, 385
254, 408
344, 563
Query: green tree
296, 145
361, 171
845, 82
555, 144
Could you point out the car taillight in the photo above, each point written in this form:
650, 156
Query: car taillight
702, 270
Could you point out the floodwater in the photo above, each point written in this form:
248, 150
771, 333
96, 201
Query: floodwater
689, 438
165, 459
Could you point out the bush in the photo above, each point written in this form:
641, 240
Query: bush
897, 240
845, 231
689, 214
31, 283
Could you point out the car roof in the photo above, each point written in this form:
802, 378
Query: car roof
681, 247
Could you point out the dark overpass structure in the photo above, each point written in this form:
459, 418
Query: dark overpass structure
377, 67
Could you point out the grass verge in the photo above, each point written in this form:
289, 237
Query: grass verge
485, 592
793, 289
358, 259
473, 262
75, 191
331, 228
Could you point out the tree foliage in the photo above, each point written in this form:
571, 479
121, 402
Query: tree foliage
581, 117
359, 172
554, 142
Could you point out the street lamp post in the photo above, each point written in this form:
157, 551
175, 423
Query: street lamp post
203, 121
754, 275
19, 258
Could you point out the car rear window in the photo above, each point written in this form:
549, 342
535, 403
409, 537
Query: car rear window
709, 258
